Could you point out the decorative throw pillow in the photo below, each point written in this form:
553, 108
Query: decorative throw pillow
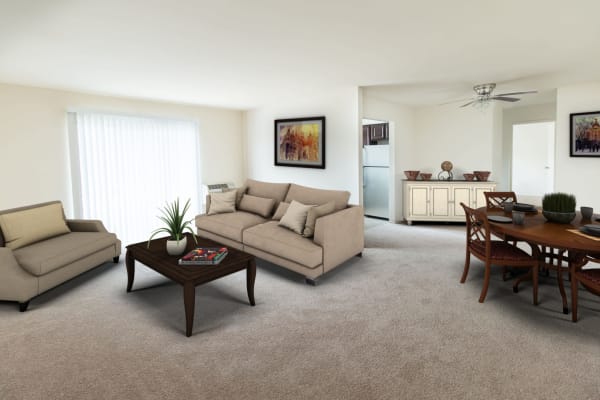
223, 202
281, 209
240, 192
21, 228
257, 205
314, 213
295, 217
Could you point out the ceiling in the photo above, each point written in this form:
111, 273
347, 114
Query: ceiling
243, 54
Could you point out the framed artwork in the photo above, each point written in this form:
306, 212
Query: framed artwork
300, 142
585, 134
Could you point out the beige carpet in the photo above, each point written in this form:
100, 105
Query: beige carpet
395, 324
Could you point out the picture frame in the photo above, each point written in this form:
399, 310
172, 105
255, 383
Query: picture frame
300, 142
584, 131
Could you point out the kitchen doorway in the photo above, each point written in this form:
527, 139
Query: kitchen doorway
376, 168
532, 172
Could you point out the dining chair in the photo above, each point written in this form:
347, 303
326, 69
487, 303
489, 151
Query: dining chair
496, 200
495, 252
589, 279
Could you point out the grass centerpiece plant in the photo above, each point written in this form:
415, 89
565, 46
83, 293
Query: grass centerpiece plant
559, 207
174, 218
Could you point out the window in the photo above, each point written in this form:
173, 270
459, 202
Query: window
125, 168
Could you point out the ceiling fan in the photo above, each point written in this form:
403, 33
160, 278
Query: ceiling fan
483, 95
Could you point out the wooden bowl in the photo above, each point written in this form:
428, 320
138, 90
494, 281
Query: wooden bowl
482, 175
411, 175
469, 177
425, 176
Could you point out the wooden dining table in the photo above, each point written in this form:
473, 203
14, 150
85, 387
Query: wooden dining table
558, 242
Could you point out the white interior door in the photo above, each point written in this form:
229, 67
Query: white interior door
533, 161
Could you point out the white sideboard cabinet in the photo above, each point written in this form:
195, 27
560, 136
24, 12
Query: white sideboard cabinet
440, 200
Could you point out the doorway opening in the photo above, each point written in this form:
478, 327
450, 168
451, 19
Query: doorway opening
376, 168
532, 173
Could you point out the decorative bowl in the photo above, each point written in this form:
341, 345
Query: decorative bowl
411, 175
469, 177
425, 176
559, 217
482, 175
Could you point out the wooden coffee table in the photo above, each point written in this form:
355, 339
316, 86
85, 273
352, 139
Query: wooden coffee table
189, 276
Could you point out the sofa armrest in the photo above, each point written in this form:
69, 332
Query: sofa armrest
86, 225
16, 284
206, 205
341, 235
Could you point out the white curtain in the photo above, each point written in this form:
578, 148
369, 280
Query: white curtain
125, 168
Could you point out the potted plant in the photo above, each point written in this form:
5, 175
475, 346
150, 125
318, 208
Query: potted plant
559, 207
173, 217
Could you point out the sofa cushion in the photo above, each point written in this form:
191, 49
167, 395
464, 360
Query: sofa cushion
222, 202
281, 209
275, 191
279, 241
21, 228
314, 213
295, 217
46, 256
317, 197
257, 205
229, 225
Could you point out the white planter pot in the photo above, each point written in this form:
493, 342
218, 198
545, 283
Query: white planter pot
176, 247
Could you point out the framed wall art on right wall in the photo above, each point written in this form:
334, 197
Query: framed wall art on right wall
585, 134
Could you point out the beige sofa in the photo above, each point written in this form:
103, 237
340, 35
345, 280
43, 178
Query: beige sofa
337, 236
40, 249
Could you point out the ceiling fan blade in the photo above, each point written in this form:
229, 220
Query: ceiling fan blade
502, 98
514, 93
455, 101
468, 104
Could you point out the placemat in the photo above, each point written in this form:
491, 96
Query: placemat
577, 231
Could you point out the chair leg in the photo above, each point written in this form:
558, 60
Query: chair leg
486, 281
467, 264
535, 284
561, 289
574, 294
505, 273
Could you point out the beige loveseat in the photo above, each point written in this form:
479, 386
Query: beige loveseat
337, 236
40, 249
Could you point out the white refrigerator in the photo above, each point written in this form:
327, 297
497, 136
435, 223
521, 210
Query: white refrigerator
376, 180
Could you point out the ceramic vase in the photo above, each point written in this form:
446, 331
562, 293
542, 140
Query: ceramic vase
559, 217
176, 247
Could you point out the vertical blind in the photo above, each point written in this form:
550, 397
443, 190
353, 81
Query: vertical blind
125, 168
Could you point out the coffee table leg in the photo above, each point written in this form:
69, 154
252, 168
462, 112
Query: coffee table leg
189, 301
130, 264
250, 278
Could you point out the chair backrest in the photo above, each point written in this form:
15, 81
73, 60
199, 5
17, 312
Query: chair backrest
496, 200
478, 230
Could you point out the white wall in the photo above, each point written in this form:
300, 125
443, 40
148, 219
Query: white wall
576, 175
464, 136
519, 115
34, 150
402, 134
342, 134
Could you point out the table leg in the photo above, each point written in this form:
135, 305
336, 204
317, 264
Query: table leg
561, 286
130, 264
250, 278
189, 301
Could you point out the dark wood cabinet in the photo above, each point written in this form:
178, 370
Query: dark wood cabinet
379, 132
375, 132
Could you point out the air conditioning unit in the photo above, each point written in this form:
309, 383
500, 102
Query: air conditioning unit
212, 188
